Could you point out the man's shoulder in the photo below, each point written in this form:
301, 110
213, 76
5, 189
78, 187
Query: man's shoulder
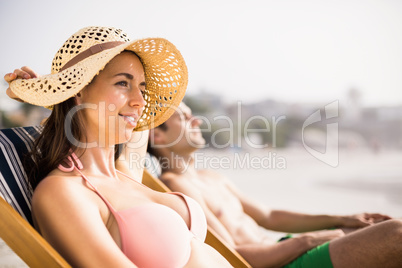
172, 177
200, 174
169, 176
211, 174
179, 182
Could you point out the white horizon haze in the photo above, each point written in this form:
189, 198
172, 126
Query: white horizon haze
291, 51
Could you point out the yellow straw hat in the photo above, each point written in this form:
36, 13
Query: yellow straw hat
88, 51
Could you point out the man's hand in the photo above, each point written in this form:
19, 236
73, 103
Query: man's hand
362, 220
316, 238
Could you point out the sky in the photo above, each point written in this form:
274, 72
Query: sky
292, 51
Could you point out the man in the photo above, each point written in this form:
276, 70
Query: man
238, 219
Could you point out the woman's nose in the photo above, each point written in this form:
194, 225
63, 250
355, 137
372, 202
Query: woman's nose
136, 98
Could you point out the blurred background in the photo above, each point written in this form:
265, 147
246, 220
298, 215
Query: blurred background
278, 58
274, 59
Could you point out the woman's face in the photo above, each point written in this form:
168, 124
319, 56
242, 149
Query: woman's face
114, 100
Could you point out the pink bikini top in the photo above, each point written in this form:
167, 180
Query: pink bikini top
153, 235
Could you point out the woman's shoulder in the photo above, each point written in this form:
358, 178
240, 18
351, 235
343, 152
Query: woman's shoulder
57, 179
58, 189
63, 200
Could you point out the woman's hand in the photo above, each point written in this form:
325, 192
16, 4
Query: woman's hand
25, 73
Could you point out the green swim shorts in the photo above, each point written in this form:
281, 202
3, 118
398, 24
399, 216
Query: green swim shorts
314, 258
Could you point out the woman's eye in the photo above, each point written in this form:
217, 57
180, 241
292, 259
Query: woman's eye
122, 83
143, 91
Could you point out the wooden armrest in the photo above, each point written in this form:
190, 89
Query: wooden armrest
154, 183
25, 241
233, 257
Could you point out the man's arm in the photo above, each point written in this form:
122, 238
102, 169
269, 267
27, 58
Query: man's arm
180, 184
293, 222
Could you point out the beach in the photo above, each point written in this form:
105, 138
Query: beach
363, 181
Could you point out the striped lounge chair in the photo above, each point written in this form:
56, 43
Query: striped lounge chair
15, 209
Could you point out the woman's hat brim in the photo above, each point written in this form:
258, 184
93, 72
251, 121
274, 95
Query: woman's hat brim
165, 74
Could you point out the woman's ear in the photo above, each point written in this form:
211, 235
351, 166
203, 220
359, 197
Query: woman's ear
78, 98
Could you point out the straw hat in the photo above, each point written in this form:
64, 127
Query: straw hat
88, 51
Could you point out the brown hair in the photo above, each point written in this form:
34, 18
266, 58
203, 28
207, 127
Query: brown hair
52, 146
55, 144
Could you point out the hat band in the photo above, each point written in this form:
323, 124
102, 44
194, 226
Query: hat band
91, 51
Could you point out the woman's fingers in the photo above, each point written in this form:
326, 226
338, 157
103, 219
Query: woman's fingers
30, 72
25, 72
12, 95
22, 74
10, 77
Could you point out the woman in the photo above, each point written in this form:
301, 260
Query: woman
103, 87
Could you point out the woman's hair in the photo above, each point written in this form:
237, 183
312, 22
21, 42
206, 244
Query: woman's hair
52, 146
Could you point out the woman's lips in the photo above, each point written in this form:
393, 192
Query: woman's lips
130, 119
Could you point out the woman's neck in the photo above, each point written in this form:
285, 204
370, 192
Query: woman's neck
98, 161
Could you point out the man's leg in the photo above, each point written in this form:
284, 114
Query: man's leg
379, 245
